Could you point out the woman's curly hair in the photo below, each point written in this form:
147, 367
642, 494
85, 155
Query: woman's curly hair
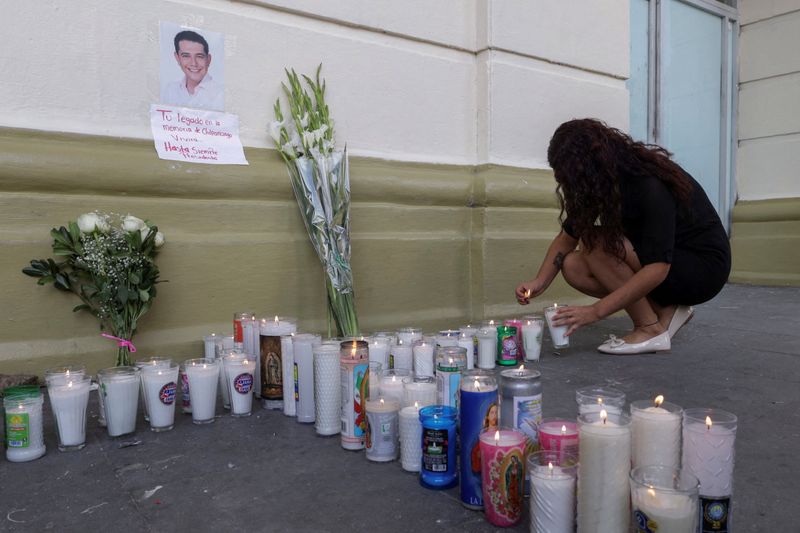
589, 159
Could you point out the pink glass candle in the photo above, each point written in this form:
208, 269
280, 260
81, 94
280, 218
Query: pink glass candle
503, 475
559, 437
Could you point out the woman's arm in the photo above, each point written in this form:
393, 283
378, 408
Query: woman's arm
562, 244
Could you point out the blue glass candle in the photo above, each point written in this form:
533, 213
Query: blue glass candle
479, 412
438, 469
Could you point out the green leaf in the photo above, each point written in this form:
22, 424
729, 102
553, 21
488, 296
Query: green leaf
144, 296
122, 294
80, 308
32, 271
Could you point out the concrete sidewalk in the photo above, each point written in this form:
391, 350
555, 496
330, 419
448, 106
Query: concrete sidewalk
741, 353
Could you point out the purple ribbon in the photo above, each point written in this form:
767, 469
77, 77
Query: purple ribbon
120, 342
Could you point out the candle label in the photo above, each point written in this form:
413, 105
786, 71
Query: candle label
243, 383
167, 393
391, 360
185, 390
271, 367
381, 434
434, 449
18, 430
714, 514
296, 383
479, 412
503, 477
355, 389
238, 334
528, 415
448, 383
507, 348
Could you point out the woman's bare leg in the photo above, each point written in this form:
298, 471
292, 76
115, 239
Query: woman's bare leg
576, 272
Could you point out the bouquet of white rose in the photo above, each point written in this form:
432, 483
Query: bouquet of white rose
321, 183
109, 263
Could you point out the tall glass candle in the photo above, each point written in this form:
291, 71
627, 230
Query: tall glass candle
392, 383
507, 347
521, 401
258, 325
222, 387
238, 330
438, 468
503, 475
596, 398
468, 343
532, 328
186, 401
423, 358
248, 323
408, 335
210, 342
382, 429
447, 337
552, 504
400, 356
24, 426
68, 401
327, 389
238, 369
487, 347
379, 350
410, 438
120, 387
709, 436
203, 378
303, 347
162, 362
656, 433
558, 334
287, 375
420, 390
451, 361
478, 411
354, 361
63, 374
271, 359
374, 379
517, 323
160, 387
605, 462
560, 437
664, 499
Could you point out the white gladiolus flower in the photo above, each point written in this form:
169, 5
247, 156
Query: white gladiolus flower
288, 149
304, 121
320, 132
309, 138
131, 223
295, 141
87, 222
159, 239
275, 130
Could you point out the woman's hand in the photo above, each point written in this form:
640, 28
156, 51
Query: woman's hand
528, 290
575, 317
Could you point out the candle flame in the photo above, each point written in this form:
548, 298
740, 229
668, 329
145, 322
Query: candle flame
477, 384
491, 322
276, 319
450, 360
651, 492
659, 400
394, 378
68, 372
527, 293
600, 401
69, 385
563, 430
555, 305
382, 402
708, 422
497, 436
416, 404
521, 367
603, 415
550, 467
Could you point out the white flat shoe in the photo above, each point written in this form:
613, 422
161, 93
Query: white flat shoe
615, 346
683, 314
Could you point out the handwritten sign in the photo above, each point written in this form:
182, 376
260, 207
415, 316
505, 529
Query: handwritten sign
196, 136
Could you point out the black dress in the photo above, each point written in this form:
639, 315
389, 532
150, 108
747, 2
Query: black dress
689, 237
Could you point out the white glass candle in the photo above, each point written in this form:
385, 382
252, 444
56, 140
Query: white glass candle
410, 438
423, 359
392, 383
327, 389
63, 374
140, 364
203, 378
379, 350
468, 343
382, 429
409, 335
24, 427
120, 386
160, 384
420, 390
68, 401
303, 348
228, 343
664, 499
238, 370
248, 323
487, 347
270, 366
374, 377
287, 365
596, 398
605, 462
552, 503
532, 337
400, 356
210, 345
558, 334
656, 433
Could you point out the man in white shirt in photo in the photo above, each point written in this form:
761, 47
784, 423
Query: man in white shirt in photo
196, 89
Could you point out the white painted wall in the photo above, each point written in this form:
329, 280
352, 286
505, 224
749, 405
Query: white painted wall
769, 100
456, 81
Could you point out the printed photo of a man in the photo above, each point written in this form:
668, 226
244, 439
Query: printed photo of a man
192, 84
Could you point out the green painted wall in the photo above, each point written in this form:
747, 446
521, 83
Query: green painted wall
433, 245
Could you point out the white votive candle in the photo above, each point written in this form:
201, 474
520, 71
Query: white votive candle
487, 347
400, 356
532, 337
287, 367
558, 334
392, 383
423, 359
160, 384
238, 370
120, 387
656, 433
552, 504
24, 427
605, 462
382, 428
303, 348
379, 350
203, 378
410, 438
664, 499
468, 343
68, 401
420, 390
327, 389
